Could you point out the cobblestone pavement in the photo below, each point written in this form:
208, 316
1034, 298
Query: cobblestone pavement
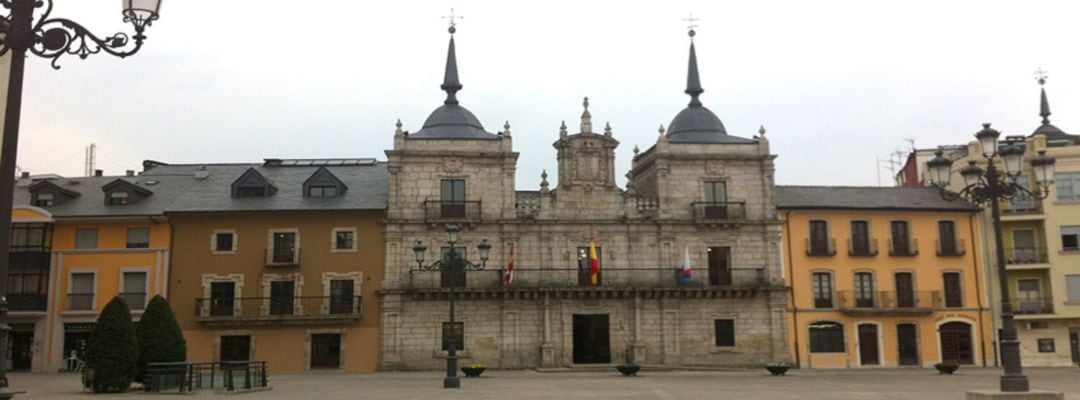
799, 384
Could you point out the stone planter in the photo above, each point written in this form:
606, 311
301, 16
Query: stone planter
946, 368
777, 370
473, 372
628, 369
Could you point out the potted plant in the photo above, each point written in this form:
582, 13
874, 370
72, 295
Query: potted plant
947, 367
777, 368
628, 368
473, 370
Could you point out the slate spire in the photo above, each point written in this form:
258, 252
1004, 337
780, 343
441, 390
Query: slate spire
450, 80
1044, 105
693, 82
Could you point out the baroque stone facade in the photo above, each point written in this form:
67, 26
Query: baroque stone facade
730, 314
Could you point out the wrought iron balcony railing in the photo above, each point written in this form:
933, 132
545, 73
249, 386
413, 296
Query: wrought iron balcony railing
860, 248
821, 248
903, 248
889, 301
1026, 255
951, 248
442, 211
273, 310
1035, 305
80, 302
552, 278
27, 301
719, 211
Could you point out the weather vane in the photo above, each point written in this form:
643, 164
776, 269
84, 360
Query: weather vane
1040, 75
453, 22
690, 21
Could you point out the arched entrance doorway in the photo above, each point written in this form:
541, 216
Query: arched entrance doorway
956, 342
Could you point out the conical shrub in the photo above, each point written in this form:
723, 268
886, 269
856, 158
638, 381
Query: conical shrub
113, 351
160, 338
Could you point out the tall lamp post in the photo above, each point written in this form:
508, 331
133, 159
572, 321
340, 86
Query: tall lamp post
990, 186
27, 27
453, 263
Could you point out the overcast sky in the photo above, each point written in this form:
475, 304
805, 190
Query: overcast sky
837, 84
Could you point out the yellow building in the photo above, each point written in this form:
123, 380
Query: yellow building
280, 262
107, 237
883, 277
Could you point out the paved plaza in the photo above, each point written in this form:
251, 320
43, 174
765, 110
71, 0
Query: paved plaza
800, 384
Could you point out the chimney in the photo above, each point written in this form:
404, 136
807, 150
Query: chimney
98, 172
25, 175
130, 172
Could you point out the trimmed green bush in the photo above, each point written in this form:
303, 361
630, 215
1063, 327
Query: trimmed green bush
112, 350
160, 338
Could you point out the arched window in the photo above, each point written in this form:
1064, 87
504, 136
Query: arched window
826, 337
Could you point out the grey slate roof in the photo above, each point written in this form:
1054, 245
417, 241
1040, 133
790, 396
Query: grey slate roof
91, 199
867, 198
451, 120
368, 186
695, 123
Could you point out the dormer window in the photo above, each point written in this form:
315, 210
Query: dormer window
252, 184
118, 198
121, 193
43, 200
323, 183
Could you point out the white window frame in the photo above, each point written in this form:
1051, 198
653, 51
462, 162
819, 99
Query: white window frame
1068, 295
1074, 230
333, 240
213, 241
146, 284
70, 283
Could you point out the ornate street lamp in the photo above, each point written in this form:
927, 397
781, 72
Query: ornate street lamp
452, 263
27, 26
990, 186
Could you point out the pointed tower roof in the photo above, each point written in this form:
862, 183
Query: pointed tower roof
451, 120
1046, 128
695, 123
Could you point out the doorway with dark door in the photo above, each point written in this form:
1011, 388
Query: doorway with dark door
1074, 344
236, 348
592, 341
868, 345
282, 294
905, 290
907, 340
21, 344
956, 343
325, 351
719, 266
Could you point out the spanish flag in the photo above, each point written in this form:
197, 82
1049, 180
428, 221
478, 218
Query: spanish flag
594, 263
509, 277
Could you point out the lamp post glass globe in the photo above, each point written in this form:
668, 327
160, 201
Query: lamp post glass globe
452, 233
418, 252
940, 170
1013, 155
988, 140
1044, 168
485, 249
141, 12
971, 173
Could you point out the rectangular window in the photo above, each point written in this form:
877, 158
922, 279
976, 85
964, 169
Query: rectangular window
719, 266
453, 273
86, 238
1068, 186
118, 198
282, 295
138, 238
43, 200
344, 240
259, 191
455, 336
342, 298
222, 298
236, 348
322, 191
716, 200
81, 296
860, 238
134, 290
224, 241
901, 240
584, 265
947, 238
864, 290
1070, 237
826, 337
822, 288
30, 238
725, 332
1072, 286
819, 238
954, 296
284, 247
1046, 345
453, 198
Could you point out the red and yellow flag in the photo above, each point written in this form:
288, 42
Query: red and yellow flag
594, 263
509, 277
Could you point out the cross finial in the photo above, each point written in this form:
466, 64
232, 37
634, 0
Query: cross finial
453, 22
1040, 76
690, 25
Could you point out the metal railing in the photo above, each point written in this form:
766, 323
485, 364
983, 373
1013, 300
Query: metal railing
525, 278
1026, 255
1036, 305
448, 211
951, 247
900, 248
718, 210
819, 248
1021, 206
189, 376
27, 301
135, 301
889, 300
80, 301
868, 248
283, 259
277, 307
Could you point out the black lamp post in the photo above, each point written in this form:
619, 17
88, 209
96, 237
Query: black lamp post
990, 186
454, 264
27, 27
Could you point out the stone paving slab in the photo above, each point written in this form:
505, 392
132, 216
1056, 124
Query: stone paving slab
658, 385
